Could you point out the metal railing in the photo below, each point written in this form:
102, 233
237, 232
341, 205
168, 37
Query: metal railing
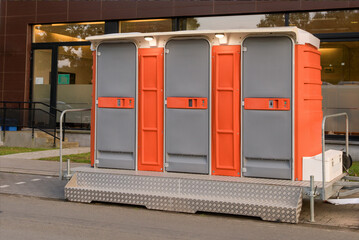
323, 144
35, 116
24, 114
62, 116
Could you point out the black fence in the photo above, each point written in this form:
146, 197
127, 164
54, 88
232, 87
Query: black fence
33, 115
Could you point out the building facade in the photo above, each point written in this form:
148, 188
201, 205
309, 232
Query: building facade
45, 58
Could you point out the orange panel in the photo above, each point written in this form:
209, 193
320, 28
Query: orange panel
274, 104
225, 110
183, 102
308, 105
115, 102
92, 144
150, 109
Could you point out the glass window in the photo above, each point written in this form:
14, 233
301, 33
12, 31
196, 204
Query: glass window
233, 22
340, 61
340, 89
74, 87
146, 25
66, 32
326, 22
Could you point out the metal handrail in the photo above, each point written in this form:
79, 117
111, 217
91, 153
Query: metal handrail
32, 108
323, 144
61, 135
27, 102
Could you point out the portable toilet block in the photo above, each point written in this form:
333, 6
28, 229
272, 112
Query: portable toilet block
172, 109
225, 102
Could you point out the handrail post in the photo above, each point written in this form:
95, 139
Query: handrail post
323, 144
312, 196
61, 135
63, 131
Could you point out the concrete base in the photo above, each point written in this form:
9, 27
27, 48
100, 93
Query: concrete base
23, 139
40, 140
82, 137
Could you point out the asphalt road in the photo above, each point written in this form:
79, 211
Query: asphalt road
32, 207
32, 185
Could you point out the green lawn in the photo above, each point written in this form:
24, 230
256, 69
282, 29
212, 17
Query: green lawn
354, 170
12, 150
78, 158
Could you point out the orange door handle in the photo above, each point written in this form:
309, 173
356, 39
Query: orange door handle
116, 102
274, 104
187, 103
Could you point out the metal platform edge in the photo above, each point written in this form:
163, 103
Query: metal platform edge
266, 210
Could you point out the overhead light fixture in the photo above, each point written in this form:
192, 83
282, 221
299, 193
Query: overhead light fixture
151, 41
219, 35
149, 38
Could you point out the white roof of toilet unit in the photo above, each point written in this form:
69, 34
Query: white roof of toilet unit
231, 36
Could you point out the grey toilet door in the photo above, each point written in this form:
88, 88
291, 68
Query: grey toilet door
116, 112
267, 112
187, 71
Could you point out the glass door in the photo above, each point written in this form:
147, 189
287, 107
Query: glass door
44, 71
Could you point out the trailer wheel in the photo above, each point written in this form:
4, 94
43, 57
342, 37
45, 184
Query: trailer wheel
347, 161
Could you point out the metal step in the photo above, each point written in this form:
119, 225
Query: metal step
269, 202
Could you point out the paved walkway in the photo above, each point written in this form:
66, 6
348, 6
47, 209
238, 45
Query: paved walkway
27, 163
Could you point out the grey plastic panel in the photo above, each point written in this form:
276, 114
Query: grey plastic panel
187, 68
187, 72
116, 70
267, 135
267, 67
116, 127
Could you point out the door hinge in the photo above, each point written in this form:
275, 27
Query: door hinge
166, 165
165, 101
244, 49
98, 53
242, 103
97, 161
167, 51
96, 102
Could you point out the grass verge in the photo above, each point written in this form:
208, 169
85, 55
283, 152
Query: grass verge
354, 169
77, 158
13, 150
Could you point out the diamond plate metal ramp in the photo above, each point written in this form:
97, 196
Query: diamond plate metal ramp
269, 202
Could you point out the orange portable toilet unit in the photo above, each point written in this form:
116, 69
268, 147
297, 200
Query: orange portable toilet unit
172, 109
232, 103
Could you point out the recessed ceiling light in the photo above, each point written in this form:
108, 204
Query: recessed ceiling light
149, 38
